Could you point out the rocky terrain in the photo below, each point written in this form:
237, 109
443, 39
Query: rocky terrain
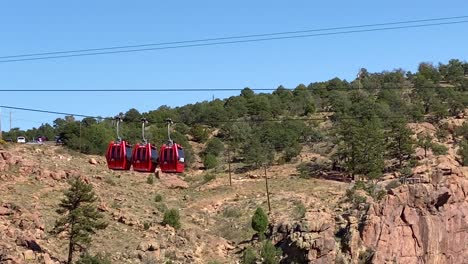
422, 220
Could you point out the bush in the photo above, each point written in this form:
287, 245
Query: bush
150, 179
210, 161
463, 152
439, 149
270, 254
303, 170
260, 221
249, 256
232, 212
208, 177
299, 210
292, 152
162, 207
146, 225
214, 147
97, 259
199, 134
392, 185
158, 198
172, 218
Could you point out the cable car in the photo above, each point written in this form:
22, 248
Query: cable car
171, 155
172, 158
145, 155
119, 153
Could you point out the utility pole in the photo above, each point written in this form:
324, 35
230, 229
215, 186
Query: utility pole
10, 123
80, 136
266, 185
0, 123
229, 165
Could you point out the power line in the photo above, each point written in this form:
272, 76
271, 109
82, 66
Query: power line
216, 89
235, 41
233, 37
216, 121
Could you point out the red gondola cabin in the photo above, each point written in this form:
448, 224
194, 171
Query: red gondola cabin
119, 155
145, 158
172, 158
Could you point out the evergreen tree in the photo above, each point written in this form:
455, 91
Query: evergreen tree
260, 221
360, 138
400, 144
80, 217
270, 254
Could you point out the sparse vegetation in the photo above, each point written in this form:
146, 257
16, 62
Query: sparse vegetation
299, 210
210, 161
158, 198
232, 212
249, 256
150, 179
208, 177
97, 259
162, 207
172, 218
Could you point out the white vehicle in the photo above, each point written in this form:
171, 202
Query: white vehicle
21, 139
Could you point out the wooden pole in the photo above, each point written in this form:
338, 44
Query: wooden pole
229, 165
267, 192
80, 136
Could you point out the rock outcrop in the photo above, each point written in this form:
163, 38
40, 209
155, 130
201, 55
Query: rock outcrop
308, 241
420, 223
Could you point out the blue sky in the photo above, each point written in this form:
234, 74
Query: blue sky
38, 26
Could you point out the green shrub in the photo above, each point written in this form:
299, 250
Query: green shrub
214, 146
97, 259
292, 151
162, 207
439, 149
392, 185
249, 256
199, 133
210, 161
270, 254
303, 170
109, 180
463, 152
172, 218
158, 198
208, 177
150, 179
299, 210
260, 221
232, 212
146, 225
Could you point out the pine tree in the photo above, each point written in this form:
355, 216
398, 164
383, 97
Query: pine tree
260, 221
80, 217
400, 144
360, 139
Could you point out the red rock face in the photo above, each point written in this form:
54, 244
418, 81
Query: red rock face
421, 223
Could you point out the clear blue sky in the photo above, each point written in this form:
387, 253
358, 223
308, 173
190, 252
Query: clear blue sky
41, 26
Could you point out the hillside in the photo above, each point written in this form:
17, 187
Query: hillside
368, 171
314, 215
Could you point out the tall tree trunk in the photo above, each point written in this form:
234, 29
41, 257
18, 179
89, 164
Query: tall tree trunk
70, 247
